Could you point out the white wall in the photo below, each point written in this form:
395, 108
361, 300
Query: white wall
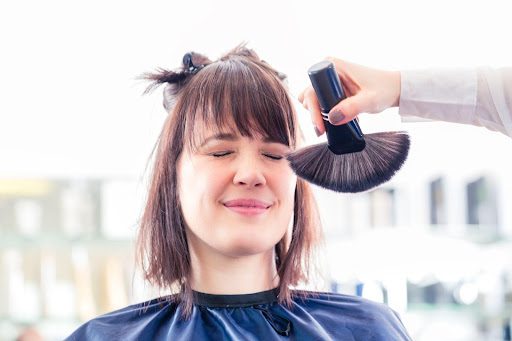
70, 104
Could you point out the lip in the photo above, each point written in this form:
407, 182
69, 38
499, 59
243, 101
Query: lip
247, 206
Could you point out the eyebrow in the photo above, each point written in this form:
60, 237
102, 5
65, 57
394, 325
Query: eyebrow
233, 137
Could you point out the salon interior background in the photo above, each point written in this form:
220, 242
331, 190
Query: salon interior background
75, 135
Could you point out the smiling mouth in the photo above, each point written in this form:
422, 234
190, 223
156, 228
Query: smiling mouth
247, 210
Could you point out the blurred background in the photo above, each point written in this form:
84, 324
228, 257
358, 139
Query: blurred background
75, 138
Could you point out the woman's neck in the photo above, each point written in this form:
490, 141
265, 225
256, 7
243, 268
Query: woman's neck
215, 273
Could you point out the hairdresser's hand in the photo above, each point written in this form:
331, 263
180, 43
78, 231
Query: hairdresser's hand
367, 90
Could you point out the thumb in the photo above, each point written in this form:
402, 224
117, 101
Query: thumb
346, 110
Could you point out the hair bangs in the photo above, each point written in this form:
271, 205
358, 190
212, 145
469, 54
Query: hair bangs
236, 96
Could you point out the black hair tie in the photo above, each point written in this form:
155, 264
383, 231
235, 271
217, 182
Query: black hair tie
189, 64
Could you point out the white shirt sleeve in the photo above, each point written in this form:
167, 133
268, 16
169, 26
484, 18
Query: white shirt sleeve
480, 96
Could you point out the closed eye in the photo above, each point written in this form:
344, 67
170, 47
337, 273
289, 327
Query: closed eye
273, 156
227, 152
221, 154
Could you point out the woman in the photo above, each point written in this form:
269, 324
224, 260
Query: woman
227, 225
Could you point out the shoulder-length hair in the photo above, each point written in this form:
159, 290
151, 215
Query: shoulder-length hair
238, 91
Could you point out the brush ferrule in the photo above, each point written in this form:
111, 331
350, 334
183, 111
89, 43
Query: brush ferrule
344, 139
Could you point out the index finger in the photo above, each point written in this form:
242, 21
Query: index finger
311, 103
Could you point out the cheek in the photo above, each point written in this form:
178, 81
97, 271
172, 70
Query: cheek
187, 189
287, 185
198, 188
284, 188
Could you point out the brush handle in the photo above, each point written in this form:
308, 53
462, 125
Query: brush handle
341, 139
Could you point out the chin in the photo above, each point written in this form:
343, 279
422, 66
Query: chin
247, 245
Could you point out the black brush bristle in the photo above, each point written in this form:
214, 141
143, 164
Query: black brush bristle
382, 157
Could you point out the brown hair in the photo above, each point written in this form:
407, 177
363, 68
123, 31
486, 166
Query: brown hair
238, 91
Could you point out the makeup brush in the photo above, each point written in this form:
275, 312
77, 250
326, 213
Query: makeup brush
350, 161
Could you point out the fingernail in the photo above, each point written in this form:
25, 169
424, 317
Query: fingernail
317, 132
336, 117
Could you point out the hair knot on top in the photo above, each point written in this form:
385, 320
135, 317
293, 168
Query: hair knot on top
175, 80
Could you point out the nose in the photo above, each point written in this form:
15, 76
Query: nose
249, 172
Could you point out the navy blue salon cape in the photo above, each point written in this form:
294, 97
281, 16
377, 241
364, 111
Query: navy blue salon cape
258, 316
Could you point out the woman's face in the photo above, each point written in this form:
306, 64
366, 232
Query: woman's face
236, 193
